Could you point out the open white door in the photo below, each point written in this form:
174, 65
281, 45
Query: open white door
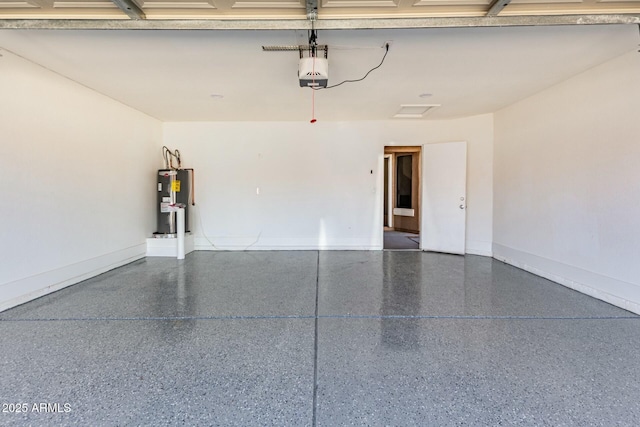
444, 197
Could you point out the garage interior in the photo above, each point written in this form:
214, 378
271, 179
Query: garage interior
520, 305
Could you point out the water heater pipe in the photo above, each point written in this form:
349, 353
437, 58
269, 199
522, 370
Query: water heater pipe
180, 226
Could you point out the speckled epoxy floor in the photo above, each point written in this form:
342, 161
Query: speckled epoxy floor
319, 338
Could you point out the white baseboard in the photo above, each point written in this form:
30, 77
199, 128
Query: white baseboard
32, 287
617, 292
302, 244
478, 248
169, 247
278, 244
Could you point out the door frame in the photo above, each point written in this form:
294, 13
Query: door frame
422, 188
388, 158
411, 148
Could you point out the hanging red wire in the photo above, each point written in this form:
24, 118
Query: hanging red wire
313, 91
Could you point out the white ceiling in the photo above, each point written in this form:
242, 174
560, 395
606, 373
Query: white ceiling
171, 75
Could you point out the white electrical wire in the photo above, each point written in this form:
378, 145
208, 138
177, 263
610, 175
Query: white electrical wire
202, 228
209, 240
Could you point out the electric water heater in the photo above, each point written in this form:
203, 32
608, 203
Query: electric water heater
174, 187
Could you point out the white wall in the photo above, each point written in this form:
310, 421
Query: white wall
567, 182
315, 181
77, 181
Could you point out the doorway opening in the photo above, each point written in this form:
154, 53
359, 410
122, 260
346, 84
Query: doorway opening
402, 193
